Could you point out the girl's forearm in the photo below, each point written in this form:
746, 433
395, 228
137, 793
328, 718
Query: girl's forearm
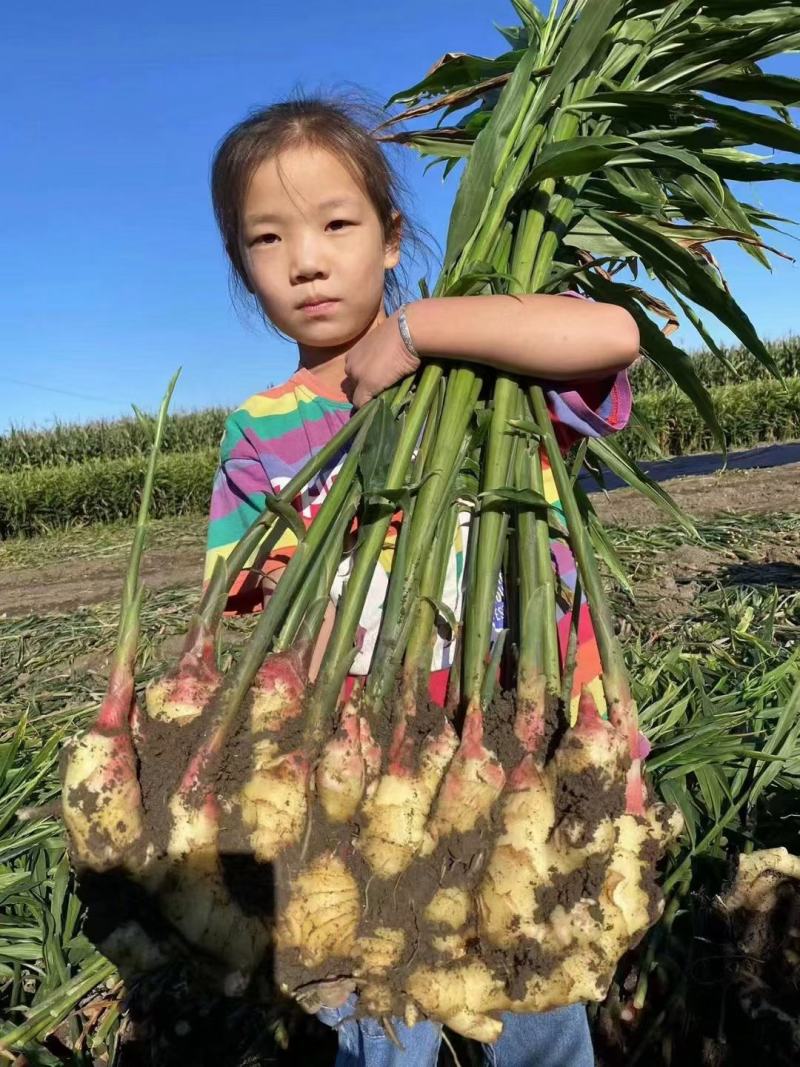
269, 583
532, 334
322, 642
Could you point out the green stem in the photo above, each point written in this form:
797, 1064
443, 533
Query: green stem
423, 468
338, 654
415, 637
128, 632
538, 640
487, 234
571, 653
615, 681
441, 470
497, 467
431, 587
308, 609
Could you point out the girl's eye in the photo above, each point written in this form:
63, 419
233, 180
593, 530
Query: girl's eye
261, 239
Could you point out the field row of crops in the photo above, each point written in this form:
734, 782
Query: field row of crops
739, 365
97, 491
85, 488
201, 430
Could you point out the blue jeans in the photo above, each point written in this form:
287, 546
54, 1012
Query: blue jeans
557, 1038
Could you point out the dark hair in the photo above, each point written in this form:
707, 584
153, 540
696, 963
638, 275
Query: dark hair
336, 124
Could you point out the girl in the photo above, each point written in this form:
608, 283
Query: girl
308, 210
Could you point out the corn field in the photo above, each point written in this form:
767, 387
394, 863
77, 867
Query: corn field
201, 431
67, 444
59, 486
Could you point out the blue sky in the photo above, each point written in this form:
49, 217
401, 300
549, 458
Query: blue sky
112, 273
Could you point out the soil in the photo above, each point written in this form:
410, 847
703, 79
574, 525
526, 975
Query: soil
734, 492
65, 587
733, 1002
60, 587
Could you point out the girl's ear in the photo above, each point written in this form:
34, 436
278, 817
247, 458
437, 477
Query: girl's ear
392, 247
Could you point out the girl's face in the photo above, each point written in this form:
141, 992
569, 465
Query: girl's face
310, 232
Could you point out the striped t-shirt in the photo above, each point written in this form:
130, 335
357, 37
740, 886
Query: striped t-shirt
273, 435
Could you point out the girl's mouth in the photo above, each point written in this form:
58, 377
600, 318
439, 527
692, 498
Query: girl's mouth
319, 309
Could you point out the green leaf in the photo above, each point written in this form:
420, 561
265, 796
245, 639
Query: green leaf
651, 108
476, 280
782, 741
617, 460
578, 49
517, 36
483, 421
672, 360
578, 155
677, 266
749, 128
699, 325
601, 543
589, 235
284, 510
530, 17
507, 494
747, 170
12, 882
773, 90
451, 147
527, 427
665, 155
637, 185
475, 189
643, 428
9, 750
376, 457
456, 70
490, 678
24, 951
577, 463
446, 613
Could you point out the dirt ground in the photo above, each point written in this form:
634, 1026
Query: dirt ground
735, 492
76, 583
67, 585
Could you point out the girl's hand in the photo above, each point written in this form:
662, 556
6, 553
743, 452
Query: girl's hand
377, 361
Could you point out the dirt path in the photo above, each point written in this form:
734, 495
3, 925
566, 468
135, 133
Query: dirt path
76, 583
736, 492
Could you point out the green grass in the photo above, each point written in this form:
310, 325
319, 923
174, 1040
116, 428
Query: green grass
713, 686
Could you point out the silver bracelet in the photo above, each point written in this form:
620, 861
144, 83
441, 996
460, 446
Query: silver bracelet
405, 333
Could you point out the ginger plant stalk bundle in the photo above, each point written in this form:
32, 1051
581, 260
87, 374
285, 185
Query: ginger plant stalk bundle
500, 854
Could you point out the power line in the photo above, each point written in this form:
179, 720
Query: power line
55, 389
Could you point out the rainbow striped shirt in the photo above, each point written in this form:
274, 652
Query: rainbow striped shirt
273, 434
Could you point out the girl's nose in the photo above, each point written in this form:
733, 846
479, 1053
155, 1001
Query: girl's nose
307, 261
